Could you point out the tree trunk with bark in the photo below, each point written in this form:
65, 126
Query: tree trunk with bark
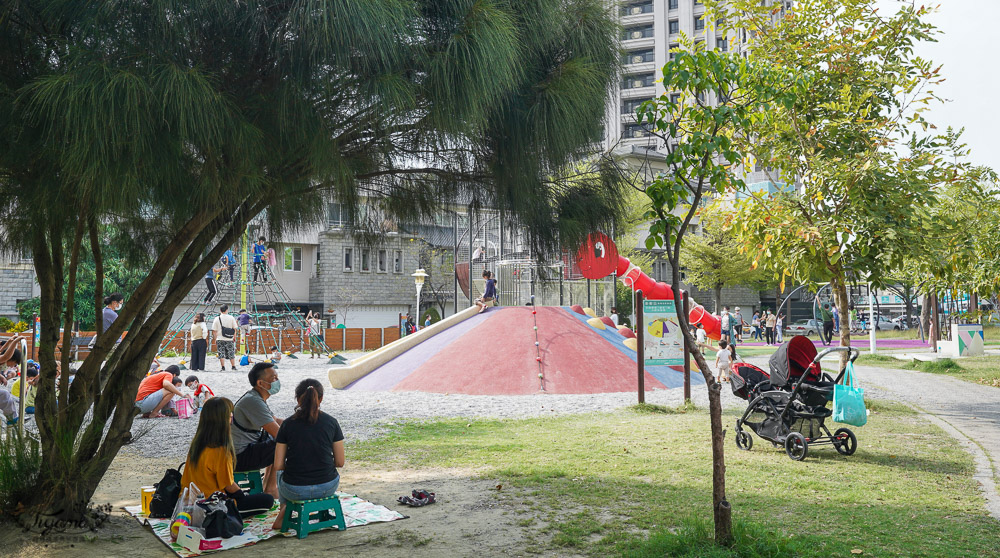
838, 285
81, 435
721, 509
718, 299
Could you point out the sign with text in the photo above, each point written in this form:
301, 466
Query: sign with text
663, 344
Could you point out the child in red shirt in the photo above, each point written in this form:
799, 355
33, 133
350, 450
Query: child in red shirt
202, 392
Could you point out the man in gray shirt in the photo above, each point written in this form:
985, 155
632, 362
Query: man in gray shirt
255, 426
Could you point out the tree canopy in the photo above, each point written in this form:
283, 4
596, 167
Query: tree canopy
177, 123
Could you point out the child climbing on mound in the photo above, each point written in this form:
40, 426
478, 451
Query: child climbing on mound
490, 294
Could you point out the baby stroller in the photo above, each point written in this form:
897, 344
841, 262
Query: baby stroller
788, 405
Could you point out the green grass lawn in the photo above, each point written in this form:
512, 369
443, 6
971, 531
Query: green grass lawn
981, 370
638, 483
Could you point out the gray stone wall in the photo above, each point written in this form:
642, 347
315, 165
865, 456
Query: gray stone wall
17, 283
368, 287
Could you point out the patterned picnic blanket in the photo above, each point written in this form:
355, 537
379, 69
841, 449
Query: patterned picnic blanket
357, 512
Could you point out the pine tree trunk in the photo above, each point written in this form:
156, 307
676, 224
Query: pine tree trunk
718, 299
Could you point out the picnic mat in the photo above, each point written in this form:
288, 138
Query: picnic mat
357, 512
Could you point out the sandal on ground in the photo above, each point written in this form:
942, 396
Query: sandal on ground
419, 498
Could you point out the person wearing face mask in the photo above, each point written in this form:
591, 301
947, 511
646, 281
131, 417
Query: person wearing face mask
112, 304
255, 426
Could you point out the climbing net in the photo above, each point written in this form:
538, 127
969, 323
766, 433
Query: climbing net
274, 322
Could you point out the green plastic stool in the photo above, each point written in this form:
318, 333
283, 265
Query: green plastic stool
318, 509
250, 481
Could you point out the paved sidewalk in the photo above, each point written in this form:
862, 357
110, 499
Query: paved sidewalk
972, 411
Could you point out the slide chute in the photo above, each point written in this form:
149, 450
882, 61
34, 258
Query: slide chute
598, 258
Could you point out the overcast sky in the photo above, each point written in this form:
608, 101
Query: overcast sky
966, 47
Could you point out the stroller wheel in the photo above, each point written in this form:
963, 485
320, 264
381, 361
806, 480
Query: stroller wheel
845, 441
743, 440
796, 446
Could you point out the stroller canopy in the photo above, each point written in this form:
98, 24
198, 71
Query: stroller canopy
793, 359
744, 378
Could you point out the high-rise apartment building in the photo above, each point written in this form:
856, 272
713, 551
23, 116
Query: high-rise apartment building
651, 30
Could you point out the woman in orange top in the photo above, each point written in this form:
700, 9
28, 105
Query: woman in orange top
210, 460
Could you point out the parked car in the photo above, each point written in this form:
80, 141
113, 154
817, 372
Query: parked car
901, 322
804, 327
883, 325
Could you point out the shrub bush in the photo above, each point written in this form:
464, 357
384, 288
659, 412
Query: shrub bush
20, 461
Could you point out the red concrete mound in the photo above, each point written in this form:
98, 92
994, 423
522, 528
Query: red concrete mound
498, 357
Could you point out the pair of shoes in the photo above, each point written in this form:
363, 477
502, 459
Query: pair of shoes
419, 498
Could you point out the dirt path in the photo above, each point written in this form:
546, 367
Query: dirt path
967, 411
473, 519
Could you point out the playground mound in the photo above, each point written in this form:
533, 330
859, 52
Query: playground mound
495, 353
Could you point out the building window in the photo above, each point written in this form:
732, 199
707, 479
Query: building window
629, 106
635, 131
293, 259
675, 98
672, 5
383, 261
697, 3
637, 8
336, 216
366, 259
348, 258
721, 44
641, 32
674, 26
638, 80
638, 56
699, 23
397, 261
672, 51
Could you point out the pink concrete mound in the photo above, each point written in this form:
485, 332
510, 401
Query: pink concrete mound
495, 354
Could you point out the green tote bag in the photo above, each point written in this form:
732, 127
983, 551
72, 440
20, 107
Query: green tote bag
849, 400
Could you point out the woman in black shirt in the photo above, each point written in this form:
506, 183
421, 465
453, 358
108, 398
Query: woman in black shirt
310, 447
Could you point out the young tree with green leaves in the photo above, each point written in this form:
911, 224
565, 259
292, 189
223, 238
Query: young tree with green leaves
854, 144
713, 259
178, 123
700, 158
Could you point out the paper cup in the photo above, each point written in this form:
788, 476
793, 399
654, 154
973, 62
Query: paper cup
146, 496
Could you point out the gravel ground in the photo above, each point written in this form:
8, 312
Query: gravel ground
364, 415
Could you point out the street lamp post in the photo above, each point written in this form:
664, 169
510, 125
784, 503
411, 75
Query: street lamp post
418, 280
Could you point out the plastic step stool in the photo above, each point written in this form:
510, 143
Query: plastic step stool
250, 481
307, 510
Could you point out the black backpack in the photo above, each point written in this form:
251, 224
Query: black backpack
168, 490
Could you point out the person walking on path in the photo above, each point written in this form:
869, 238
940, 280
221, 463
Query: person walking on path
725, 325
827, 318
199, 342
779, 325
755, 327
315, 334
738, 335
225, 327
769, 323
836, 318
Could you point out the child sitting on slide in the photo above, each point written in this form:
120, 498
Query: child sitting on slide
202, 393
275, 356
490, 294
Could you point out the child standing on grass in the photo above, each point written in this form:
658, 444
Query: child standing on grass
723, 360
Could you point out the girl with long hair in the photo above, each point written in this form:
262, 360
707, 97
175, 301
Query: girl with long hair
199, 342
211, 457
310, 447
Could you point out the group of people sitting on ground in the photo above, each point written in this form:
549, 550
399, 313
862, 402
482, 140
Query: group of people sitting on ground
300, 455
